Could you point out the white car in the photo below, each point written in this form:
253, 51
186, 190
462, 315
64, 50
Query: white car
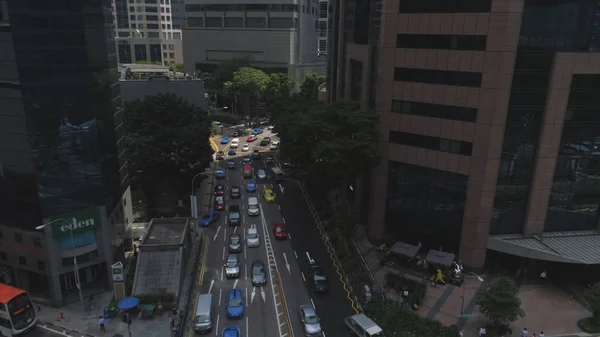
252, 237
235, 143
245, 147
275, 145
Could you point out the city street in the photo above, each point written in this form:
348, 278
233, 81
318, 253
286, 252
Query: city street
42, 332
216, 141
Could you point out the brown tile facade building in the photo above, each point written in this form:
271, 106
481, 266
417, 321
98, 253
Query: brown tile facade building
490, 122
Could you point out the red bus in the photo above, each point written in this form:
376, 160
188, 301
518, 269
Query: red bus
17, 314
247, 171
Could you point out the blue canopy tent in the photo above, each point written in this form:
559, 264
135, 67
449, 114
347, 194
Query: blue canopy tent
128, 303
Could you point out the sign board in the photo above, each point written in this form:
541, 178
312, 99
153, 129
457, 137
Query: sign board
76, 222
118, 272
119, 291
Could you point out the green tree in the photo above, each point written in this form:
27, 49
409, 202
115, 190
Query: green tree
310, 87
167, 141
592, 297
500, 302
176, 67
280, 86
225, 71
147, 62
247, 88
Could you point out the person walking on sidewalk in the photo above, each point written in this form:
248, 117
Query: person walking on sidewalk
524, 333
101, 323
542, 334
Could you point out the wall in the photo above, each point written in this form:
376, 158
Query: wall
189, 90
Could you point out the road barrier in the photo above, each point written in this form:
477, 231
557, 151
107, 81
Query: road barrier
286, 314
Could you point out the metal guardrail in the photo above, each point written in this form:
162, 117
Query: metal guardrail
286, 314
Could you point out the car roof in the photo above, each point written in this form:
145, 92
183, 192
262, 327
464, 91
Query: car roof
251, 181
234, 235
232, 257
308, 310
235, 187
219, 186
235, 292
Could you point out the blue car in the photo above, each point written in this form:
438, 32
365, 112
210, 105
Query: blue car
209, 218
220, 173
251, 186
235, 304
257, 131
225, 140
231, 331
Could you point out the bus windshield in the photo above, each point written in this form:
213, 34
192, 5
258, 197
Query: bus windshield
21, 311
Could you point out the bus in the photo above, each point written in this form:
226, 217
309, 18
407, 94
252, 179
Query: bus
17, 313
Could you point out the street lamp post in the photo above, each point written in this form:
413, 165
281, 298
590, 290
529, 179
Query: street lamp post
75, 267
462, 303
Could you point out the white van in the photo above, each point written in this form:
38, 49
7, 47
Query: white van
235, 143
253, 208
204, 313
363, 326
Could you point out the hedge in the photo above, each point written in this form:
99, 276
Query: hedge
163, 298
416, 290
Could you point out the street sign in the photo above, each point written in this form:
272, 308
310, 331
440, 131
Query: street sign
469, 315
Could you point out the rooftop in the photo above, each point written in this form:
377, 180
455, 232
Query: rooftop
166, 231
158, 272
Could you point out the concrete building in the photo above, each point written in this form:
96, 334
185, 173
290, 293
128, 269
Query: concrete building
62, 152
148, 30
323, 27
147, 79
277, 36
489, 123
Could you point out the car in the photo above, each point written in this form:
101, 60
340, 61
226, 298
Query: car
220, 155
257, 131
274, 146
231, 152
269, 159
259, 276
234, 216
311, 323
209, 218
268, 195
220, 173
232, 266
319, 279
220, 203
264, 142
219, 189
235, 192
235, 304
245, 147
270, 127
268, 139
252, 138
279, 231
275, 142
247, 160
261, 174
236, 133
255, 154
235, 143
231, 331
250, 186
225, 140
230, 164
235, 243
252, 237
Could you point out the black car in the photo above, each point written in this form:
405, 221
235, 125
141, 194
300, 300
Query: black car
265, 142
246, 160
255, 154
219, 189
235, 192
236, 133
231, 164
231, 152
234, 216
269, 159
220, 155
319, 279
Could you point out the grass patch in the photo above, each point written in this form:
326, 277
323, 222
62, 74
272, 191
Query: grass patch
588, 325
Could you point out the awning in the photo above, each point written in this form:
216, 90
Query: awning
404, 249
440, 258
581, 247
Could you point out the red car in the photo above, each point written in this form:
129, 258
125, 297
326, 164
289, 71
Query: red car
252, 138
279, 231
219, 189
220, 155
220, 203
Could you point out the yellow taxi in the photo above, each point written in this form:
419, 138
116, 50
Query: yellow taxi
269, 195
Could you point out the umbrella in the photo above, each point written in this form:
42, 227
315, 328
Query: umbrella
128, 303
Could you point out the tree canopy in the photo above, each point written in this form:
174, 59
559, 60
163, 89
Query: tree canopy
225, 71
592, 296
500, 302
310, 87
246, 88
280, 86
166, 139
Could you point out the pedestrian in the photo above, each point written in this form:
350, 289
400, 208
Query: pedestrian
542, 334
524, 333
405, 298
482, 332
39, 309
543, 277
101, 323
534, 334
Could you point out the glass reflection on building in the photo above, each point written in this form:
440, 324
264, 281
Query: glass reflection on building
425, 205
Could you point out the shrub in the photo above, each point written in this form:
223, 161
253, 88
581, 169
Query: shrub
416, 290
163, 298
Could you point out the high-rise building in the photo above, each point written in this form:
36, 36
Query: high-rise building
281, 36
62, 158
489, 122
149, 30
323, 30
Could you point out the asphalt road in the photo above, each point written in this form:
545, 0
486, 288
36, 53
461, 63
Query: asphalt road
243, 140
41, 332
264, 314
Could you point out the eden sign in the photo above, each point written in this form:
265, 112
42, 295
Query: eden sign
76, 222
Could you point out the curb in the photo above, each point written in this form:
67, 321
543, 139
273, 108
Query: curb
61, 330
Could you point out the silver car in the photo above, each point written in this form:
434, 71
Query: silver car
252, 237
259, 278
262, 175
310, 321
235, 243
232, 266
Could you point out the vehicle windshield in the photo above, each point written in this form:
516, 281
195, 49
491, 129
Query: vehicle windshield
268, 194
235, 190
23, 318
279, 229
236, 302
219, 200
252, 235
203, 319
258, 270
231, 264
206, 217
311, 319
234, 215
235, 241
320, 276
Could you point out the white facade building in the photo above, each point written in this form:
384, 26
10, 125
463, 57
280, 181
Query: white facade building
149, 30
277, 35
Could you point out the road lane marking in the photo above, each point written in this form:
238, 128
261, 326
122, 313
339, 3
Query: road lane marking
222, 272
212, 282
247, 332
221, 295
223, 253
311, 261
295, 254
235, 229
303, 278
235, 283
279, 207
287, 265
283, 219
246, 292
282, 324
224, 234
217, 326
313, 303
245, 272
216, 234
289, 236
245, 252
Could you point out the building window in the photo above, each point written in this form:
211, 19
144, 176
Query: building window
151, 9
22, 260
162, 9
431, 143
234, 22
195, 22
176, 36
165, 55
214, 22
256, 22
444, 77
457, 113
3, 256
172, 55
132, 17
78, 240
445, 6
41, 265
152, 26
37, 242
152, 17
155, 35
448, 42
18, 237
281, 23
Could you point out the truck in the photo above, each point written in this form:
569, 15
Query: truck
362, 326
